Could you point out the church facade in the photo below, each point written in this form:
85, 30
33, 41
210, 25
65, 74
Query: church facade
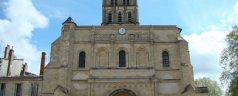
118, 58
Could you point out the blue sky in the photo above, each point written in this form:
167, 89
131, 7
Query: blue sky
32, 25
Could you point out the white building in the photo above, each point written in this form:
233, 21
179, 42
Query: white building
11, 66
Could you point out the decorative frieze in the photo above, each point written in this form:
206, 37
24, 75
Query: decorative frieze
124, 85
125, 37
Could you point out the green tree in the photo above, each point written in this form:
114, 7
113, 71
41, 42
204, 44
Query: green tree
233, 88
229, 57
229, 62
213, 87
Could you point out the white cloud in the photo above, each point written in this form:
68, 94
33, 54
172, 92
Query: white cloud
206, 46
210, 42
17, 28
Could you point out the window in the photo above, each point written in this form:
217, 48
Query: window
165, 57
115, 2
34, 89
124, 2
1, 60
18, 90
129, 17
128, 2
2, 90
122, 58
119, 17
112, 2
82, 57
110, 17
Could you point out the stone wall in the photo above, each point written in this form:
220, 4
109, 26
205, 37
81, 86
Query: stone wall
26, 83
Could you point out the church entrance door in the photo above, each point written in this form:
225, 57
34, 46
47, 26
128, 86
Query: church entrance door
122, 92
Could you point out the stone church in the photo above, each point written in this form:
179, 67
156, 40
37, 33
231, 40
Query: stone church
118, 58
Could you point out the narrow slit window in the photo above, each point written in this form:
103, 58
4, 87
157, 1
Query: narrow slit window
110, 17
34, 89
165, 57
82, 59
129, 17
115, 2
119, 17
112, 2
2, 90
18, 90
124, 2
122, 58
128, 2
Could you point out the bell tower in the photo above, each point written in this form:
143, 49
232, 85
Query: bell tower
120, 12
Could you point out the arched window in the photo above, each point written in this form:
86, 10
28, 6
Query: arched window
82, 59
119, 17
128, 2
112, 2
122, 58
165, 57
129, 17
109, 17
124, 2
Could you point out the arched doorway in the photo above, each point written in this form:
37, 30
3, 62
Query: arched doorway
122, 92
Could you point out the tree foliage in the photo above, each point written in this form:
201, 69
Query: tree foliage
229, 62
233, 88
229, 57
213, 87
